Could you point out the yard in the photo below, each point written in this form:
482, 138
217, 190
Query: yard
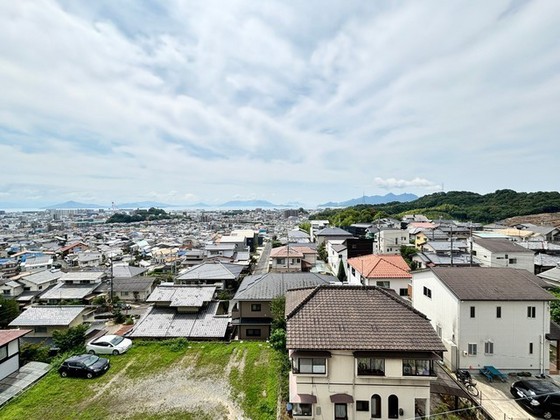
163, 380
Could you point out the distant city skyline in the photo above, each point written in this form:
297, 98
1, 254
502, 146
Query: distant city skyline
186, 102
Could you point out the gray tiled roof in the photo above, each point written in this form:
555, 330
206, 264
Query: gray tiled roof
485, 283
82, 276
553, 274
167, 323
333, 231
270, 285
69, 291
132, 284
499, 245
47, 315
123, 271
181, 295
212, 271
44, 276
356, 318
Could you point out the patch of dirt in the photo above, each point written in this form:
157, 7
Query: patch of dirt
176, 390
236, 360
546, 219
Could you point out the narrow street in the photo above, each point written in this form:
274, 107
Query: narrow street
262, 265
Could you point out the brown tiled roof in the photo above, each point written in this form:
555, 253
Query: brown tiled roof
500, 245
356, 318
284, 251
7, 336
381, 266
490, 283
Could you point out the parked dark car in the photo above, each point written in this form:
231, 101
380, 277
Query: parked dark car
86, 365
538, 396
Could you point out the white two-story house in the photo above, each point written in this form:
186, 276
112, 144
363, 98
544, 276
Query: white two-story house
389, 271
500, 252
487, 316
358, 352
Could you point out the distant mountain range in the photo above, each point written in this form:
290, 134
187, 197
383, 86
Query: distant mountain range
372, 199
148, 204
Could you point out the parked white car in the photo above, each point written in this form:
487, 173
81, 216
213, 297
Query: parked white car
109, 344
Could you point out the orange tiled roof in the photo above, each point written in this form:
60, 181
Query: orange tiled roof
381, 266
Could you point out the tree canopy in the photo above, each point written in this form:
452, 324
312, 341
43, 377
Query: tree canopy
458, 205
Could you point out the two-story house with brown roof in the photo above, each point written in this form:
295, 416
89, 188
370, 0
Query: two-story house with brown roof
389, 271
487, 316
358, 352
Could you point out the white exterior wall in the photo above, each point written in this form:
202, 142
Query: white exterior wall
390, 241
511, 335
524, 260
342, 377
10, 365
394, 283
442, 309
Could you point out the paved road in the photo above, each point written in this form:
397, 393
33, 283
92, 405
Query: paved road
262, 264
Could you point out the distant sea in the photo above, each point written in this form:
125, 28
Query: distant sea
169, 209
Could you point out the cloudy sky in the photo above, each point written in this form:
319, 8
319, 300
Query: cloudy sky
308, 101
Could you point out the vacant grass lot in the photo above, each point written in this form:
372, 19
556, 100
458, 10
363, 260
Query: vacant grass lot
163, 380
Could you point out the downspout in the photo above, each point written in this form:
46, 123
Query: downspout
542, 338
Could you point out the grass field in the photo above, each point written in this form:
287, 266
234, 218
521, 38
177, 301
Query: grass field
163, 380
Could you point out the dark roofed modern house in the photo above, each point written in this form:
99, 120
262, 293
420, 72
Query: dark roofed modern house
329, 233
251, 305
359, 352
487, 316
500, 253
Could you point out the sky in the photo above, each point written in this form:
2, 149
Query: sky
291, 102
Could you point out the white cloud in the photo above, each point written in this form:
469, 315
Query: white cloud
392, 183
273, 99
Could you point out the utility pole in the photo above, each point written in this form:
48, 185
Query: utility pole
470, 231
451, 245
111, 283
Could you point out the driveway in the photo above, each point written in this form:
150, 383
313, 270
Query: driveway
497, 400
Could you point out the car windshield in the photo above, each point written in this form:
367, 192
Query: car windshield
116, 340
90, 360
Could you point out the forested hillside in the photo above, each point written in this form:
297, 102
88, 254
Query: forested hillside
458, 205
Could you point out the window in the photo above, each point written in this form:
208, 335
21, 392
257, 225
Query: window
531, 311
472, 349
385, 284
340, 411
438, 330
473, 311
4, 353
6, 292
498, 311
312, 365
371, 366
253, 332
300, 409
488, 347
280, 261
393, 407
427, 292
417, 367
530, 348
512, 261
403, 292
362, 405
255, 307
353, 271
375, 406
40, 329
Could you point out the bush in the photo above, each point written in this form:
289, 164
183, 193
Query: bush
278, 339
30, 352
177, 344
72, 339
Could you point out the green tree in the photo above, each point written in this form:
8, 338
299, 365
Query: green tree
555, 306
305, 226
278, 339
407, 252
322, 252
278, 308
71, 339
9, 310
341, 273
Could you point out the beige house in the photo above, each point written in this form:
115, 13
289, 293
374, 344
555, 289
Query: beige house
43, 320
358, 352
